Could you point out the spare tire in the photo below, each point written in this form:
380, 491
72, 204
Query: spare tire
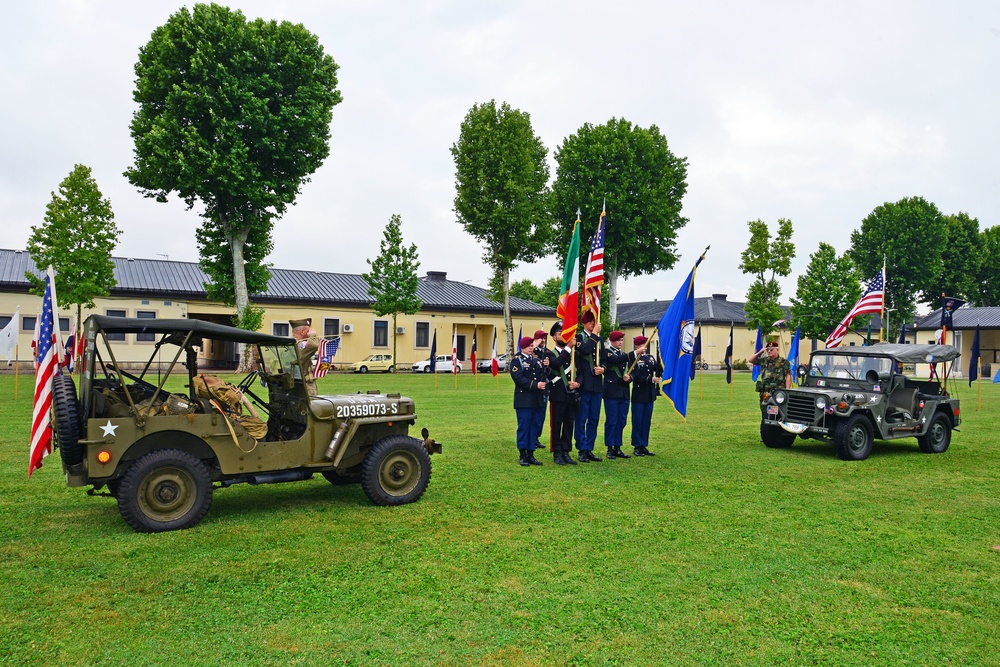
66, 409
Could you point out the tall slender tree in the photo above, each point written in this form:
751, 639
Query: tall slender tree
234, 114
392, 279
643, 183
825, 293
500, 182
765, 258
77, 239
989, 268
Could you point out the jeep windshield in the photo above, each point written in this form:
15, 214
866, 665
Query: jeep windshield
847, 366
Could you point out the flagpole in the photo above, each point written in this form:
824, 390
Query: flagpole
701, 382
885, 290
16, 368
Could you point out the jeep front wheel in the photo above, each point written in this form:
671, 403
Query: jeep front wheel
396, 470
853, 438
775, 436
167, 489
938, 435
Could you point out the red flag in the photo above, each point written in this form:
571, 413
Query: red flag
45, 346
474, 369
569, 294
454, 352
495, 363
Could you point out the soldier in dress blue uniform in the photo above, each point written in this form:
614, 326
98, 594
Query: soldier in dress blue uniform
645, 388
530, 389
564, 399
590, 373
540, 350
616, 390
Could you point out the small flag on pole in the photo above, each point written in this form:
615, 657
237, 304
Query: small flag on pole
494, 362
758, 345
324, 356
793, 353
729, 356
454, 351
41, 428
8, 337
472, 359
870, 303
676, 332
434, 350
974, 361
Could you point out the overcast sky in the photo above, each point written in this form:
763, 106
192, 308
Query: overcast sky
817, 112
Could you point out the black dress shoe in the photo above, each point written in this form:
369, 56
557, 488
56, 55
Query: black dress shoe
611, 453
646, 452
620, 454
559, 458
524, 458
568, 458
532, 460
591, 457
639, 452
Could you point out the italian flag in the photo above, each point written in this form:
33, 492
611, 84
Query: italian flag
569, 294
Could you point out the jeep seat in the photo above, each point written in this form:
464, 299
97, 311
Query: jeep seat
903, 399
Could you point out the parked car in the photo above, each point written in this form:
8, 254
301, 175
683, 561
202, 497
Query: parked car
486, 365
849, 396
442, 364
162, 454
374, 362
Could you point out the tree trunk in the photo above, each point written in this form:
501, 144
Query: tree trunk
237, 240
507, 323
393, 363
611, 281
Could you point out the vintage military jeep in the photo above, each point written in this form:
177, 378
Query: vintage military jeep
850, 396
161, 453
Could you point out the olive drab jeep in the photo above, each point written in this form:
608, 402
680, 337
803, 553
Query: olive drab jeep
851, 396
162, 454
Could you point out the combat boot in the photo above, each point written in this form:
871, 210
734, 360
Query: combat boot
524, 457
568, 458
532, 460
620, 454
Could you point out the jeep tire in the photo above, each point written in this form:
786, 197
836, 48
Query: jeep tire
167, 489
775, 436
67, 417
853, 438
396, 470
938, 435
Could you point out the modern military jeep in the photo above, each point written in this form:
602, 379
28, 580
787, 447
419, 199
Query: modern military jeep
161, 453
850, 396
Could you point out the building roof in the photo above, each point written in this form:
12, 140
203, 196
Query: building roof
963, 318
715, 309
173, 279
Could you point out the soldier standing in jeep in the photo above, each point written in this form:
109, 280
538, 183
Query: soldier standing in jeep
776, 372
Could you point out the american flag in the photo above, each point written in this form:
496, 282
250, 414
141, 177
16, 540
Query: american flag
870, 303
324, 356
45, 345
594, 277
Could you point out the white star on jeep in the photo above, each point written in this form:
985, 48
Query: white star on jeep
109, 429
878, 419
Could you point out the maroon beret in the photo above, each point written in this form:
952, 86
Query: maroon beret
616, 335
639, 340
587, 317
526, 342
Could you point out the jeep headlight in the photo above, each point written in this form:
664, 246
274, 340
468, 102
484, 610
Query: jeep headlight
821, 402
780, 397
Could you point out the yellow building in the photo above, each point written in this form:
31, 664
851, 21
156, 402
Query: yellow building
338, 304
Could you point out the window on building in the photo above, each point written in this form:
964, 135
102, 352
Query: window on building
279, 328
28, 323
64, 324
145, 315
423, 334
331, 327
115, 313
5, 320
381, 334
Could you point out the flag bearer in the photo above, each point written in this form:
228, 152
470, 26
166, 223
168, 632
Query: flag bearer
590, 373
616, 390
564, 399
540, 338
645, 388
530, 388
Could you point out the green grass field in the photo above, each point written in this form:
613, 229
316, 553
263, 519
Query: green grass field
717, 551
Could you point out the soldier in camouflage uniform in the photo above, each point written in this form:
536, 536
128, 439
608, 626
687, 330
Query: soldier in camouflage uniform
776, 372
307, 343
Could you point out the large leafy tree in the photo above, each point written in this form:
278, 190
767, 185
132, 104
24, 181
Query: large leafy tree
643, 183
766, 258
960, 258
234, 114
392, 279
827, 290
77, 239
909, 236
500, 181
989, 268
